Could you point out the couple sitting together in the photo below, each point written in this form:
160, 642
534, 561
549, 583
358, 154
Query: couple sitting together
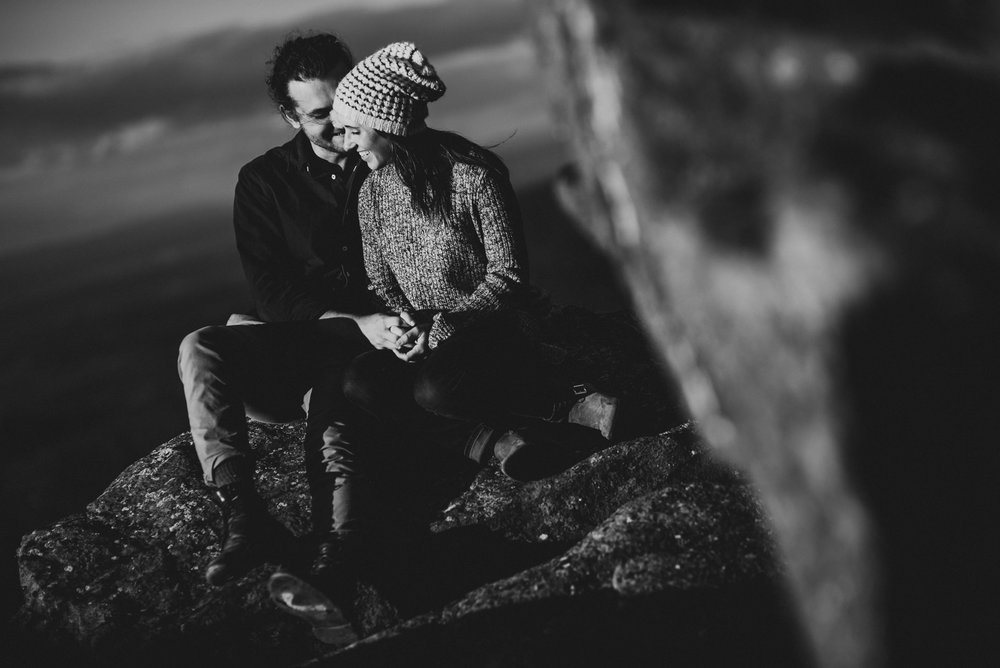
389, 272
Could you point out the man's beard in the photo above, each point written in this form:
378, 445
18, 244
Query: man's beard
329, 146
334, 143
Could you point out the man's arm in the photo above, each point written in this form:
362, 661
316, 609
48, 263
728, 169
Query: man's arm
381, 329
277, 292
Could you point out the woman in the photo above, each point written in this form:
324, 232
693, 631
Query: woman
444, 248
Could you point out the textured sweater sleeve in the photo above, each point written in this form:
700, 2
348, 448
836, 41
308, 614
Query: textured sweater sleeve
497, 217
278, 295
381, 280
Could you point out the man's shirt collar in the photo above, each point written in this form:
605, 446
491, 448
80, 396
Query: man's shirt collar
304, 158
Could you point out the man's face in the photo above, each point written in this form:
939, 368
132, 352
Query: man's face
313, 99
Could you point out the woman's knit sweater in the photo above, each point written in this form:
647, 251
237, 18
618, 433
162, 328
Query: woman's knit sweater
471, 263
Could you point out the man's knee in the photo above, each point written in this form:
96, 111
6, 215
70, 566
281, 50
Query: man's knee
198, 347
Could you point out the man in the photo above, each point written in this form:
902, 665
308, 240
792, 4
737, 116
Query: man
297, 235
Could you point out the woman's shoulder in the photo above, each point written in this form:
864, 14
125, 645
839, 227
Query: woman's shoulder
465, 173
466, 170
374, 177
383, 181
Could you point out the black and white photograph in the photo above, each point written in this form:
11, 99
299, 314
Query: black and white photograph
448, 333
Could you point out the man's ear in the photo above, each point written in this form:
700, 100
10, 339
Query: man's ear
290, 117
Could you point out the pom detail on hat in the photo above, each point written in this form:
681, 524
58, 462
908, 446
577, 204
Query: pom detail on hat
389, 90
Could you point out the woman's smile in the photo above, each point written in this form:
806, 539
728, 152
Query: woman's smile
373, 147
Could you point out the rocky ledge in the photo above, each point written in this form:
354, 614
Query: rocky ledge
643, 551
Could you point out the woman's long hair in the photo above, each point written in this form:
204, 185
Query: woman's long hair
424, 162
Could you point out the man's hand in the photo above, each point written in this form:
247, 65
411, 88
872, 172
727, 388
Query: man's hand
382, 330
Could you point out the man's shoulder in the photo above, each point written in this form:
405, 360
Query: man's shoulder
278, 159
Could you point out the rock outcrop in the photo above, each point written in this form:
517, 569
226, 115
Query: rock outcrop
642, 550
802, 199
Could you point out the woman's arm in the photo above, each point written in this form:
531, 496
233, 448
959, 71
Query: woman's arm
381, 279
497, 217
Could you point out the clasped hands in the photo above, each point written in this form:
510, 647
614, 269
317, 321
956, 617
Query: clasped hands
406, 334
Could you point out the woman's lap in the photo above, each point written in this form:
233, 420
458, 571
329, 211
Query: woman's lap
484, 373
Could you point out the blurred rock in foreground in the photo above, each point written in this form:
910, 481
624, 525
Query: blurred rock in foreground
803, 201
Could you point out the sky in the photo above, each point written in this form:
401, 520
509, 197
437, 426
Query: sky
116, 112
75, 30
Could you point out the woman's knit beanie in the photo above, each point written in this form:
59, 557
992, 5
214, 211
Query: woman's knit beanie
389, 90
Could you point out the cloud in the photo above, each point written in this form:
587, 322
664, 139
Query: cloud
61, 31
35, 81
168, 129
68, 156
217, 75
130, 138
177, 169
504, 56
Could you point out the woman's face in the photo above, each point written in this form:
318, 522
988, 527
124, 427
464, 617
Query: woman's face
373, 148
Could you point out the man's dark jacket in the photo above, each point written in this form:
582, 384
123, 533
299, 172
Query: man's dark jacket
296, 223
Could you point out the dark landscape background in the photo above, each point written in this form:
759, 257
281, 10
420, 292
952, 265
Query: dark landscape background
116, 174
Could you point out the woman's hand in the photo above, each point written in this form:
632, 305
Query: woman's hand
414, 343
382, 330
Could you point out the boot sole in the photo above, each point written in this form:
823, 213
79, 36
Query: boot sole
299, 598
597, 411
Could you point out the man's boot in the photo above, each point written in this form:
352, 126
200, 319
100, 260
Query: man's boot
241, 547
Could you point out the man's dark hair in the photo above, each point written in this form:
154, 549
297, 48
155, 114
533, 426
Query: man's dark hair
300, 58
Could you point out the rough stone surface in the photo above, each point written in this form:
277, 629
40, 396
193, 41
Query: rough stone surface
802, 200
680, 572
468, 567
